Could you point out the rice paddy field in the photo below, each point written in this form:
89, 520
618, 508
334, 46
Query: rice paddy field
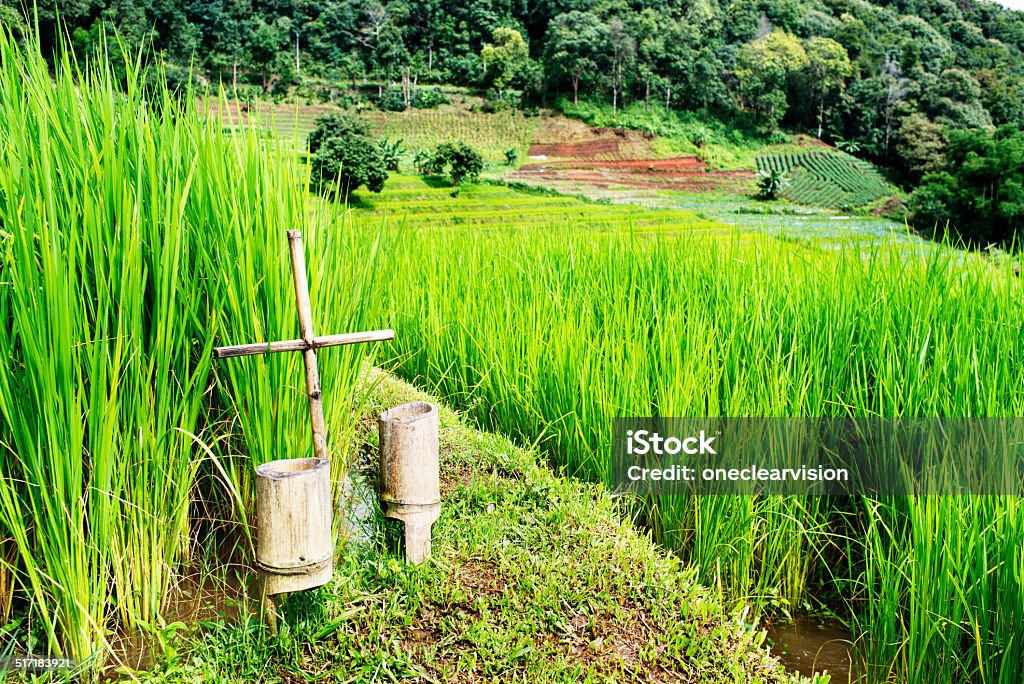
135, 237
547, 331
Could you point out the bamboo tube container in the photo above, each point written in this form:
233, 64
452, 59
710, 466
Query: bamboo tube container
410, 484
294, 546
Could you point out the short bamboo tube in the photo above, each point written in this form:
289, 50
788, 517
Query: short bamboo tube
410, 486
294, 545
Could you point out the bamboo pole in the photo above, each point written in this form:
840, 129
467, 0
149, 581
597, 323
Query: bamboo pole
316, 406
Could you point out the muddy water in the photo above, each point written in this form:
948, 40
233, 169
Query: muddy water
808, 645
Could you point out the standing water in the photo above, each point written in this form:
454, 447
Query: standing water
807, 645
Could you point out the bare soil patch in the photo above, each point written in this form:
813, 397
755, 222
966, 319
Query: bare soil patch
566, 151
640, 174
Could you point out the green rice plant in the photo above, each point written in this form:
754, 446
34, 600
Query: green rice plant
135, 237
103, 379
550, 331
251, 202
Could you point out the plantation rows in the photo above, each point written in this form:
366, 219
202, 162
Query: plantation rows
490, 134
827, 179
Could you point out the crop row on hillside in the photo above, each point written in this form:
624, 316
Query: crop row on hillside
290, 124
826, 178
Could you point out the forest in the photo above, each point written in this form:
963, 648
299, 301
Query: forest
887, 80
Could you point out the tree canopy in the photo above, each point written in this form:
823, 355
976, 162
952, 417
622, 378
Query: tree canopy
872, 74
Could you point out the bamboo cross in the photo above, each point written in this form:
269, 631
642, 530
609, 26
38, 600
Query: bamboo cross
308, 344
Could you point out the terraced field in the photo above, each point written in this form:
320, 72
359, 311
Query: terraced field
827, 178
490, 134
419, 203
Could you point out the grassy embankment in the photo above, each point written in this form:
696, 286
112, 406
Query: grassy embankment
534, 578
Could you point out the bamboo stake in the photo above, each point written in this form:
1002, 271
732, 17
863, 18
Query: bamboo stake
316, 406
300, 345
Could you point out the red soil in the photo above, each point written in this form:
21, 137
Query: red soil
587, 149
687, 164
687, 174
605, 158
610, 175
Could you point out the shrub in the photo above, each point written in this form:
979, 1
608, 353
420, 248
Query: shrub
501, 100
429, 98
333, 126
770, 183
391, 152
461, 162
421, 160
392, 101
342, 153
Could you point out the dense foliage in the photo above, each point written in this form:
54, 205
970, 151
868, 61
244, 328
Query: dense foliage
844, 69
342, 155
458, 161
979, 189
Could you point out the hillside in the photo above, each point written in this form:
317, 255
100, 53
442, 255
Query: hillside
913, 86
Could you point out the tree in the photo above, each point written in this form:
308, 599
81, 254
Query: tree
770, 184
335, 126
380, 32
462, 162
764, 69
921, 145
895, 86
266, 43
573, 45
979, 190
343, 156
505, 57
828, 67
391, 152
954, 99
622, 51
648, 28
